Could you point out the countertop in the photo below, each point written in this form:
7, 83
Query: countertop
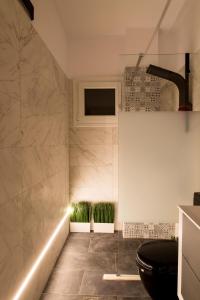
192, 212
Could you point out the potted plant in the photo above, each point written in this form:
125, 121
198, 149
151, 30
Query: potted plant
104, 214
80, 217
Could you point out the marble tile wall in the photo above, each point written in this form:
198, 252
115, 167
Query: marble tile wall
93, 162
33, 152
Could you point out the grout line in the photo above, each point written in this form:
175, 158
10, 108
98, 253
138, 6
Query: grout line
99, 295
116, 268
89, 246
146, 297
79, 294
81, 283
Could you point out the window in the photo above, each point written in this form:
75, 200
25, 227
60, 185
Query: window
96, 103
99, 102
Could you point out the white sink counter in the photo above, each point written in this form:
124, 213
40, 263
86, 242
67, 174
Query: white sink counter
188, 256
193, 213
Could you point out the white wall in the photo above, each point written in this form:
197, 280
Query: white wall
184, 35
48, 24
95, 56
100, 56
158, 165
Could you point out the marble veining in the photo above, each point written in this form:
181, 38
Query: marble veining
9, 41
90, 155
10, 125
33, 151
93, 161
10, 173
91, 136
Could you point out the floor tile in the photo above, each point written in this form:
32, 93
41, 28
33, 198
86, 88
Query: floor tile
114, 235
99, 298
134, 298
120, 235
80, 235
126, 263
84, 259
55, 296
93, 284
65, 282
103, 245
77, 245
145, 240
104, 262
128, 245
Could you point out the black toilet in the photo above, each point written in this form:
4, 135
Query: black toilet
157, 261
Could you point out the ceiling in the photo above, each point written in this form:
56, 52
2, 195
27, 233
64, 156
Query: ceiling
91, 18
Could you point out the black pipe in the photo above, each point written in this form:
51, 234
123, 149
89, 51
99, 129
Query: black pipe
187, 77
28, 6
181, 82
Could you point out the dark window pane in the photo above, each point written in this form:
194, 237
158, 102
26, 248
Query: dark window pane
99, 102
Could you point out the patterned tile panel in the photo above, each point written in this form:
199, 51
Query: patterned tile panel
141, 90
148, 230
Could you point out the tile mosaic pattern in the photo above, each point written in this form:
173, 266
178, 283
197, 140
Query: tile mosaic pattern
33, 150
82, 263
141, 90
148, 230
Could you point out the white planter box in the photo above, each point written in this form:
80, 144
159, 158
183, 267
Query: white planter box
79, 227
104, 227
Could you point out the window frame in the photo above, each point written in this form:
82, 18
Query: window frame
79, 117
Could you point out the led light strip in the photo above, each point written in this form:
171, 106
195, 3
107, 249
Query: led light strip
41, 256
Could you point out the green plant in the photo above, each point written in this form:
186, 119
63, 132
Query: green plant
81, 212
104, 212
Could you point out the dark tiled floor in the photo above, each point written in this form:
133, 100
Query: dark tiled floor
84, 259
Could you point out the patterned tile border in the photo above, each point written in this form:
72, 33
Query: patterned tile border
149, 230
141, 90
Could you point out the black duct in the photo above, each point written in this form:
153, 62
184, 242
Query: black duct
181, 82
28, 6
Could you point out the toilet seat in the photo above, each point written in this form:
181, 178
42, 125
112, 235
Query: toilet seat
157, 261
158, 255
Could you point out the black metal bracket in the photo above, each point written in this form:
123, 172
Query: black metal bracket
28, 6
187, 103
181, 82
196, 198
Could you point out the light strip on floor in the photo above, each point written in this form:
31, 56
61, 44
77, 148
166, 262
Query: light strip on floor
41, 256
121, 277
